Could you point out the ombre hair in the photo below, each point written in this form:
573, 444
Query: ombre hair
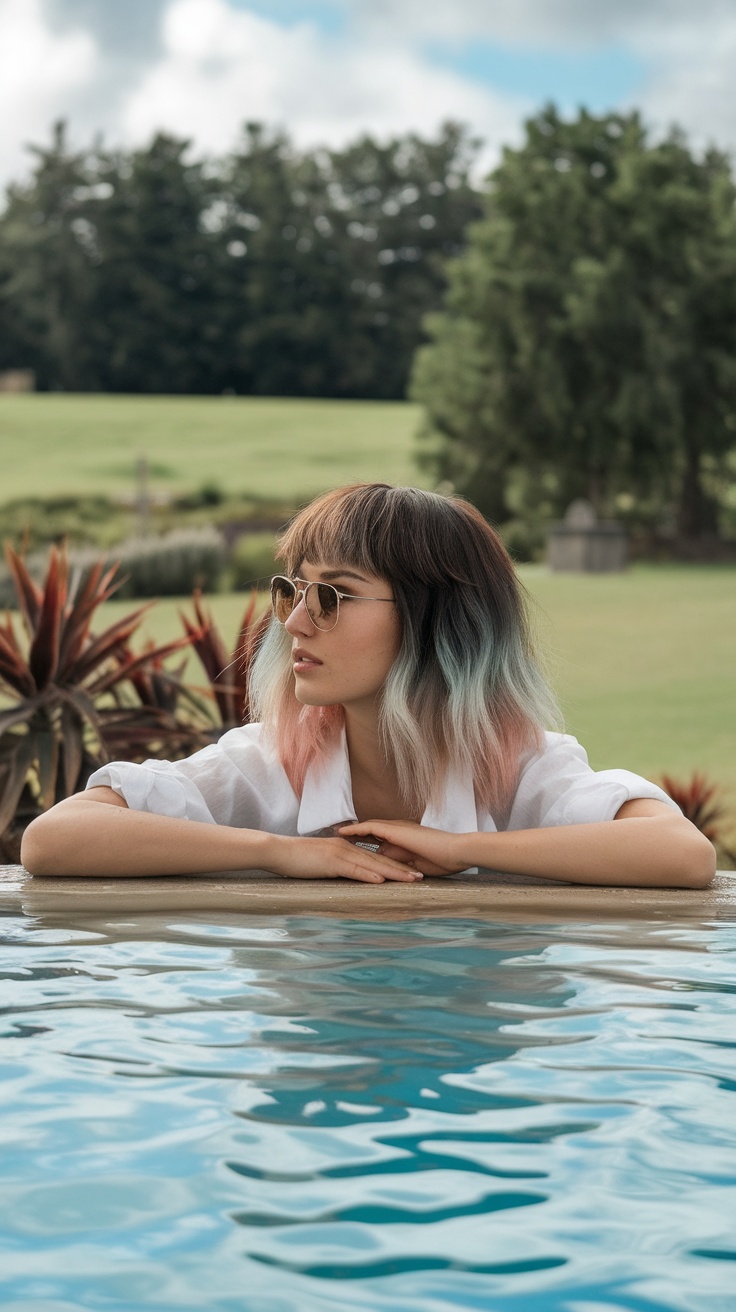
466, 690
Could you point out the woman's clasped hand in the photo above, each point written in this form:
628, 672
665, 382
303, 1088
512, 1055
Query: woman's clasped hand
430, 851
336, 858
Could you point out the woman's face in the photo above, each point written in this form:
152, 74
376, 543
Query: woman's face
349, 664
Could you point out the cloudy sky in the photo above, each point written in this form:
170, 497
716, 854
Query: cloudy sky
327, 70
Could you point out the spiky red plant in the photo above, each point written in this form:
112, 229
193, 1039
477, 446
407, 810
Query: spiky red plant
228, 673
699, 802
74, 698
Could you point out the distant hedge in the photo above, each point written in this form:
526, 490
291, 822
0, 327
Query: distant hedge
167, 566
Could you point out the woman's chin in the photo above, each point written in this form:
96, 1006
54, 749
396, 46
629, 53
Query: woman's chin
310, 697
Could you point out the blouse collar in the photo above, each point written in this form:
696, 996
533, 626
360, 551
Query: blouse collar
327, 798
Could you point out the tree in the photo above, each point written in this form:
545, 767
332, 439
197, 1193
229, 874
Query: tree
341, 255
271, 270
158, 313
44, 267
400, 211
588, 341
104, 270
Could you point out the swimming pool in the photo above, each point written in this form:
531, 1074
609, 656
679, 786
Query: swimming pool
292, 1114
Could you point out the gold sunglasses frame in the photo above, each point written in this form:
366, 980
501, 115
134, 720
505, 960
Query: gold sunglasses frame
306, 584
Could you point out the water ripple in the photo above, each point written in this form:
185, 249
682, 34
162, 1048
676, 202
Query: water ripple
346, 1117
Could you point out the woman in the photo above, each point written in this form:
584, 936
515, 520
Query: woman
402, 732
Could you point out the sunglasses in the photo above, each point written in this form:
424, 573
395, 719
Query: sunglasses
321, 600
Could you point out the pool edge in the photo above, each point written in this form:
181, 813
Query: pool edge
486, 896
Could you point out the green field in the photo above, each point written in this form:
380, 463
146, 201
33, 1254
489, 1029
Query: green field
265, 447
643, 663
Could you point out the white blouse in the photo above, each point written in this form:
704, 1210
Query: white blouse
239, 781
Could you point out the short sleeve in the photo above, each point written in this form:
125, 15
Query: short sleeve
558, 787
162, 787
236, 781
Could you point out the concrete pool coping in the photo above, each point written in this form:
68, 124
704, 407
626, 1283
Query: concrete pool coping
488, 896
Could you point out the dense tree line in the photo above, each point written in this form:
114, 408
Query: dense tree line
588, 342
575, 316
270, 270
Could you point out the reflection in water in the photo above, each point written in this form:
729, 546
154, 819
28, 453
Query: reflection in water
318, 1114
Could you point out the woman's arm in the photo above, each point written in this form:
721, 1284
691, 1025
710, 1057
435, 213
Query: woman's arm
647, 845
95, 833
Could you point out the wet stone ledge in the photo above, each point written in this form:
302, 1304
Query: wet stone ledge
489, 896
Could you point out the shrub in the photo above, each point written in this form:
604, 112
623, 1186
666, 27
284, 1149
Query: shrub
78, 698
525, 541
227, 672
208, 494
169, 566
37, 521
252, 563
699, 801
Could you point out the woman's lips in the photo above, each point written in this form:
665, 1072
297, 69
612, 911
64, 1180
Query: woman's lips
303, 661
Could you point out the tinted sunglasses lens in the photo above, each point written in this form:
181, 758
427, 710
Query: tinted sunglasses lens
283, 596
323, 606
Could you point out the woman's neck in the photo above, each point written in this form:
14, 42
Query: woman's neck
374, 779
364, 743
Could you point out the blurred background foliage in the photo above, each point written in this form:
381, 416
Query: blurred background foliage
72, 696
588, 343
568, 326
269, 271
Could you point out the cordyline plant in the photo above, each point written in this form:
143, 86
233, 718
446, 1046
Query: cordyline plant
74, 699
228, 672
698, 799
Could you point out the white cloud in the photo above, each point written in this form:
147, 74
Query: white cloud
201, 67
692, 78
221, 66
534, 23
38, 70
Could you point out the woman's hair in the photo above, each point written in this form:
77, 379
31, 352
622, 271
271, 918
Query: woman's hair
466, 689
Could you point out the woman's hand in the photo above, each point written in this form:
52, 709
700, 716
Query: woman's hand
335, 858
431, 851
95, 834
646, 845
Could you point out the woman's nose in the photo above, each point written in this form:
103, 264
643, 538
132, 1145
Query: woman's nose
299, 621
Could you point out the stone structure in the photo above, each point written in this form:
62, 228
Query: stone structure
17, 380
582, 543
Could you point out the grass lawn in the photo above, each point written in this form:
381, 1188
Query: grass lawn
271, 447
643, 663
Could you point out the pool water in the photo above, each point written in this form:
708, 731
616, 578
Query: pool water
301, 1114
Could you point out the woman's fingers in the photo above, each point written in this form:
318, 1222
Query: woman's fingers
379, 865
396, 853
431, 851
406, 853
390, 833
335, 858
411, 859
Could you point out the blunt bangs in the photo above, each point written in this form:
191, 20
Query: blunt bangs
403, 534
350, 526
